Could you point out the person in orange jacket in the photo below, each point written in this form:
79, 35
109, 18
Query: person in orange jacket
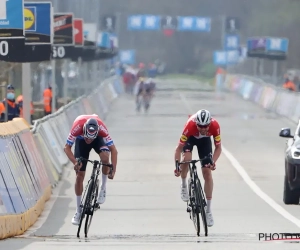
290, 85
19, 101
47, 101
13, 109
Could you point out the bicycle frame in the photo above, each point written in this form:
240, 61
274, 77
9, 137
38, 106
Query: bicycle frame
88, 204
197, 201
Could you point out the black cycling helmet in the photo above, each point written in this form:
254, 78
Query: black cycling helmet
90, 129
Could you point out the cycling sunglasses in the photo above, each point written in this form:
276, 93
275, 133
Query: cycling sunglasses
202, 126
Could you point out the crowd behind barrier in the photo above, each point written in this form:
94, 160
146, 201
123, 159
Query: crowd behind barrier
32, 160
275, 99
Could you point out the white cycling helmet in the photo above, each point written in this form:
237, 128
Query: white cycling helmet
203, 117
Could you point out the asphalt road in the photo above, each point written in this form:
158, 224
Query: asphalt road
143, 209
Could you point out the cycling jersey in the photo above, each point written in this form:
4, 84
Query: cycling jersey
77, 130
190, 129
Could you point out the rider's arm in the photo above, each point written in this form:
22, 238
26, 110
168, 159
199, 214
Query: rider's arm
179, 147
218, 147
69, 153
178, 151
74, 132
114, 156
110, 144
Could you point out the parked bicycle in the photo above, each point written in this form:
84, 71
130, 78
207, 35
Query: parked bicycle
197, 201
89, 203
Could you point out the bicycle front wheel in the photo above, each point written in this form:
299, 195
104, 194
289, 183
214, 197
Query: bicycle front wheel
194, 208
86, 204
91, 207
201, 204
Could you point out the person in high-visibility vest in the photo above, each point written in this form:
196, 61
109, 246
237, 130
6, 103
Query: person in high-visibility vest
13, 109
19, 101
47, 101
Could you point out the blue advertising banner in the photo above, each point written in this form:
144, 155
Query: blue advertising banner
104, 40
143, 22
232, 42
127, 56
225, 58
274, 44
192, 23
11, 18
38, 22
220, 58
268, 47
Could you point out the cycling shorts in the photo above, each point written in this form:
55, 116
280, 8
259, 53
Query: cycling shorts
204, 146
82, 149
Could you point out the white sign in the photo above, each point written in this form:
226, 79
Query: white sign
3, 10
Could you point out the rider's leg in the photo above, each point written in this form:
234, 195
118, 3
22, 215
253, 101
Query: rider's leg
103, 151
187, 156
204, 147
81, 150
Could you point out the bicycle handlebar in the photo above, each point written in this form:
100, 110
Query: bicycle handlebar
204, 161
80, 159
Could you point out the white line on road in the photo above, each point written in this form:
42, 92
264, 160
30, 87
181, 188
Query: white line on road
234, 162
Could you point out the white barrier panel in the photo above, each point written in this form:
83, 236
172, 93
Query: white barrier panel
31, 162
281, 101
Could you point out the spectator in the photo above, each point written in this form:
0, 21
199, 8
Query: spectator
290, 85
13, 109
19, 101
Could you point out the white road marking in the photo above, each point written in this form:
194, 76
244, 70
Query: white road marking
234, 162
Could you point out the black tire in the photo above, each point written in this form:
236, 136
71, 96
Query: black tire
202, 203
195, 211
91, 207
88, 194
290, 197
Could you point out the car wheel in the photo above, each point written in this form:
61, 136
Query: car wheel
290, 197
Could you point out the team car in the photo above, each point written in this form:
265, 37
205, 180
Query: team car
291, 191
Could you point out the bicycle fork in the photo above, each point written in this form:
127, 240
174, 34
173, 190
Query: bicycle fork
191, 202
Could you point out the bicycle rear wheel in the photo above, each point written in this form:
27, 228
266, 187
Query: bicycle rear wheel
194, 208
201, 203
83, 212
91, 208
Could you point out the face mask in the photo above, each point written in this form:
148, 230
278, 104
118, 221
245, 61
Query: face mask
10, 96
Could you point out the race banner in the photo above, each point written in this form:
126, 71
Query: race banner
12, 34
64, 36
38, 32
256, 47
77, 51
78, 31
90, 34
63, 29
11, 18
38, 23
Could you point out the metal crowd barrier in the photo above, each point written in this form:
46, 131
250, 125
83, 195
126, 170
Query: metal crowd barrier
32, 161
275, 99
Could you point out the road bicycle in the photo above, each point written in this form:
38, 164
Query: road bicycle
197, 201
89, 203
143, 100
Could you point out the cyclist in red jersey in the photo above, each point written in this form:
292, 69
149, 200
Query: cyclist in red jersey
89, 132
197, 132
